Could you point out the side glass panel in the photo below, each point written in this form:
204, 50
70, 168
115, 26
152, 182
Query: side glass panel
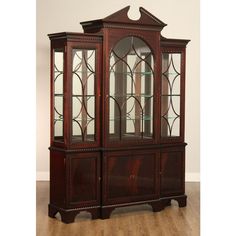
83, 95
131, 90
170, 95
58, 93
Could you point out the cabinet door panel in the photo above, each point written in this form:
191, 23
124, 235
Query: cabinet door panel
172, 173
131, 176
85, 74
84, 179
172, 95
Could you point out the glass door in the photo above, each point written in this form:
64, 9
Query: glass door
131, 89
83, 94
85, 74
171, 95
58, 95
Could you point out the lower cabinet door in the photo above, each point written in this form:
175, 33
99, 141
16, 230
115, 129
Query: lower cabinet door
84, 179
129, 177
172, 172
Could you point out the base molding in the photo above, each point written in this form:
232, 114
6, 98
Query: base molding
68, 215
104, 212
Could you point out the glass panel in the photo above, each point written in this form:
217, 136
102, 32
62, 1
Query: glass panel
131, 90
83, 95
58, 93
170, 101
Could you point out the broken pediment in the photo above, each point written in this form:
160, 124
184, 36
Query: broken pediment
120, 19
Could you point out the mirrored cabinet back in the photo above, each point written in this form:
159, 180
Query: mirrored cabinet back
117, 117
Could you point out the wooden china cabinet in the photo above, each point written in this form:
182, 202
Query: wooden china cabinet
117, 117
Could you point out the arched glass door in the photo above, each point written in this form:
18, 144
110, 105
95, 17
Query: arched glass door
131, 90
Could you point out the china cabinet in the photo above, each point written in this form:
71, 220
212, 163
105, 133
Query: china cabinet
117, 117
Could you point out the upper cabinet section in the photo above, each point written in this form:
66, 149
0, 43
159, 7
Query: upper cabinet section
76, 73
118, 84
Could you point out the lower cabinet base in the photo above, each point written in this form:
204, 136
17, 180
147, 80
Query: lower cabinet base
104, 212
68, 215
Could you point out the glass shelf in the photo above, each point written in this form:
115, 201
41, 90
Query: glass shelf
75, 95
89, 138
170, 117
83, 119
130, 136
170, 73
88, 71
144, 118
136, 73
129, 95
58, 119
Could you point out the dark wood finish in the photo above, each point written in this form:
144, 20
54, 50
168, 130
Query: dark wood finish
120, 20
68, 215
129, 177
172, 176
157, 206
57, 178
103, 174
84, 179
182, 200
106, 212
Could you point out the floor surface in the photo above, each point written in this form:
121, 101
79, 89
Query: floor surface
127, 221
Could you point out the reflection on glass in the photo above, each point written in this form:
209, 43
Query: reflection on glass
58, 93
131, 90
170, 101
83, 95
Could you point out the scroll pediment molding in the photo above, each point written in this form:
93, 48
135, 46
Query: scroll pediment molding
120, 19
